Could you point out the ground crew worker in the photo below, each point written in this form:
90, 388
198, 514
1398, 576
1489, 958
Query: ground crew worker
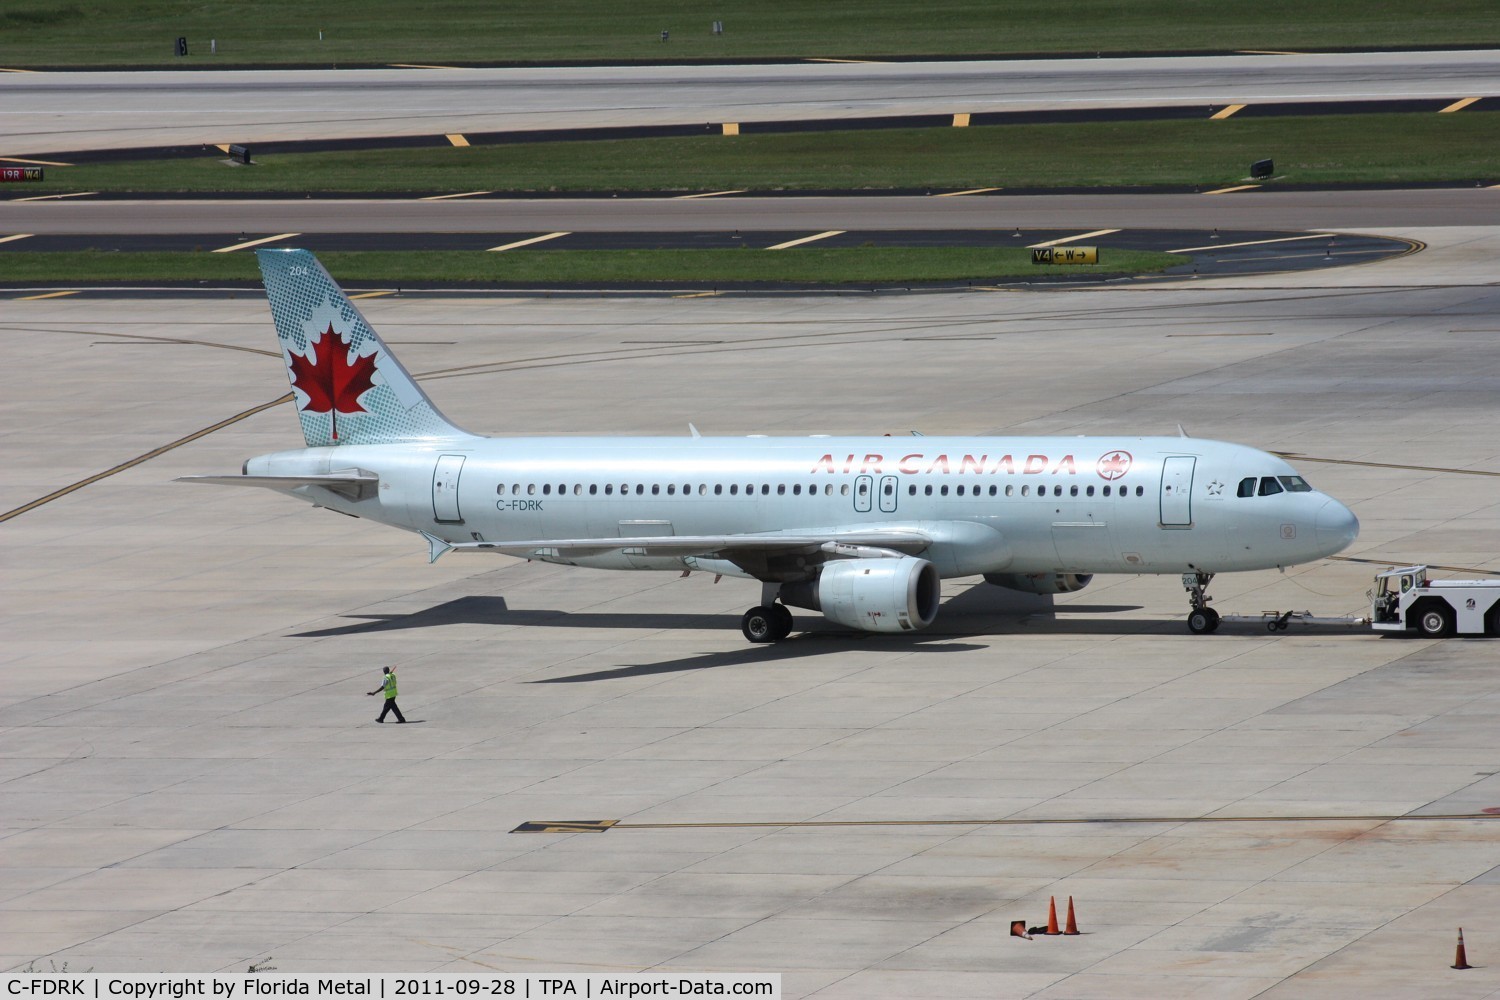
389, 687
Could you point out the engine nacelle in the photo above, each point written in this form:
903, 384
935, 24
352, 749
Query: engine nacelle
875, 595
1040, 583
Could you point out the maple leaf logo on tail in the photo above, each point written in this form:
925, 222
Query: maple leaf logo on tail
331, 354
331, 382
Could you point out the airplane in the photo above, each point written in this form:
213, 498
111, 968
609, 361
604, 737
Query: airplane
861, 529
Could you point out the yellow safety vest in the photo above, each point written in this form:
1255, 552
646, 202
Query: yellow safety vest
390, 685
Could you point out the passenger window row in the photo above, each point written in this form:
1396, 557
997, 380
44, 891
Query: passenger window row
796, 489
670, 489
1025, 491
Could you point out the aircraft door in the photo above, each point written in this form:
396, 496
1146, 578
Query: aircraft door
445, 476
863, 487
889, 491
1177, 491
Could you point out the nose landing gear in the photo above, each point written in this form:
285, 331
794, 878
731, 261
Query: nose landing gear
1202, 619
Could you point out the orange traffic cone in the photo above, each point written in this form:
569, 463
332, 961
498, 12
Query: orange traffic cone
1018, 929
1460, 959
1052, 917
1072, 925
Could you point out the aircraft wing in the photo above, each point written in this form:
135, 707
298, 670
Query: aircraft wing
735, 548
356, 484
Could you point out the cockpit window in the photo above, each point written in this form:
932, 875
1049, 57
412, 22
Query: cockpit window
1269, 486
1247, 487
1295, 484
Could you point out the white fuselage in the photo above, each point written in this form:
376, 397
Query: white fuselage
1052, 504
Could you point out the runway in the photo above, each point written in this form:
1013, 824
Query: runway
1207, 253
42, 112
1248, 210
193, 780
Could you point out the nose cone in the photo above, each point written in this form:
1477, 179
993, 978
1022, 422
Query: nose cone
1337, 527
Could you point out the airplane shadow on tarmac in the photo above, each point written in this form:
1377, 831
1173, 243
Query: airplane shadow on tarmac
978, 611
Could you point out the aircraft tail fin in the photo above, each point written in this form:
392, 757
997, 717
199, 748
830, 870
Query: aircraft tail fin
349, 387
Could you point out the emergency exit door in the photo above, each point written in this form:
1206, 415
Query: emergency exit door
1177, 491
863, 487
445, 478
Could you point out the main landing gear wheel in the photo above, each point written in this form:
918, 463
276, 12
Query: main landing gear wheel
1202, 619
783, 619
767, 623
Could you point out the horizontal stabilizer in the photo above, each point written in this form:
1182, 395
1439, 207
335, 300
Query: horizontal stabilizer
356, 484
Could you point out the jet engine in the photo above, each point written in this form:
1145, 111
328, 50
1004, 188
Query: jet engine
1040, 583
898, 594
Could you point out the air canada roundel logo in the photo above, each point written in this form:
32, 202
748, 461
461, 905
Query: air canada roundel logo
1113, 465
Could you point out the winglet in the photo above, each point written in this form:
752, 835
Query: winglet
694, 431
435, 547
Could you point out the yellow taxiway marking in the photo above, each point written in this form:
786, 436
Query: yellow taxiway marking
1221, 335
601, 826
731, 128
1388, 465
54, 197
256, 243
1268, 52
131, 463
35, 163
18, 236
958, 194
526, 243
696, 295
961, 120
1393, 563
1232, 190
419, 66
46, 295
456, 138
1069, 239
863, 62
1256, 243
709, 194
372, 295
806, 239
461, 194
6, 69
1458, 105
1226, 112
567, 826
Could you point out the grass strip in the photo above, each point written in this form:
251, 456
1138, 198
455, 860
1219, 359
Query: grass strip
585, 268
1314, 149
333, 32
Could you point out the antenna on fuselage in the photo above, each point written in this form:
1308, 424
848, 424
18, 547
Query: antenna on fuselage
1182, 433
693, 430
